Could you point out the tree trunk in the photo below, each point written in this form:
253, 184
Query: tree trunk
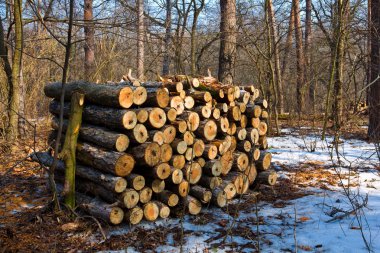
14, 104
193, 39
69, 148
227, 53
300, 57
374, 89
308, 56
140, 39
89, 38
168, 22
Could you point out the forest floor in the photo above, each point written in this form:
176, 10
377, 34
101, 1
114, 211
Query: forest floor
319, 204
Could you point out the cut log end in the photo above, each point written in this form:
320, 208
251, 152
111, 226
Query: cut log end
130, 198
120, 185
122, 143
157, 118
124, 165
116, 215
151, 211
126, 97
139, 95
145, 195
140, 134
134, 215
129, 120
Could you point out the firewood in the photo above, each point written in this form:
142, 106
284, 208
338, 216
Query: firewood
227, 161
263, 128
210, 182
212, 168
151, 211
189, 138
219, 197
241, 133
135, 181
164, 210
142, 115
264, 115
171, 113
201, 193
201, 161
253, 111
263, 163
134, 216
244, 146
176, 175
233, 145
180, 125
189, 154
268, 177
176, 102
263, 142
157, 97
253, 135
157, 185
207, 129
229, 188
182, 189
234, 113
240, 180
98, 135
157, 117
101, 94
130, 198
223, 107
156, 136
192, 205
240, 161
210, 151
108, 181
119, 164
102, 116
216, 113
263, 103
99, 209
223, 125
203, 111
139, 95
168, 198
169, 133
255, 122
251, 173
166, 152
198, 147
148, 153
178, 161
189, 102
179, 146
191, 118
243, 121
192, 172
138, 135
232, 129
256, 154
145, 195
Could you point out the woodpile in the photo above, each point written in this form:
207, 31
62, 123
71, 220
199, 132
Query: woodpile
148, 149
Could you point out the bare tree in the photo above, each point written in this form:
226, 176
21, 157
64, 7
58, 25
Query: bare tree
308, 56
227, 53
140, 39
300, 57
89, 46
168, 28
197, 11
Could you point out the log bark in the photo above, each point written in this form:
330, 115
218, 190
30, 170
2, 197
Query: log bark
240, 180
134, 216
179, 146
212, 168
101, 94
180, 125
157, 185
210, 182
201, 193
192, 172
102, 116
157, 97
219, 197
229, 188
244, 146
168, 198
135, 181
148, 153
263, 163
98, 135
116, 163
182, 189
164, 210
268, 177
99, 209
251, 173
108, 181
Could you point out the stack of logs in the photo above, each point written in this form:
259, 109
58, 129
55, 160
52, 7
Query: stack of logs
151, 148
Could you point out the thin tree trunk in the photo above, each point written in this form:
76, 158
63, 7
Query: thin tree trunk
16, 67
279, 92
140, 39
227, 53
289, 39
300, 58
308, 56
89, 46
374, 89
168, 22
22, 112
197, 11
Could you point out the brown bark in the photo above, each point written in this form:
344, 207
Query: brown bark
89, 45
148, 153
227, 53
